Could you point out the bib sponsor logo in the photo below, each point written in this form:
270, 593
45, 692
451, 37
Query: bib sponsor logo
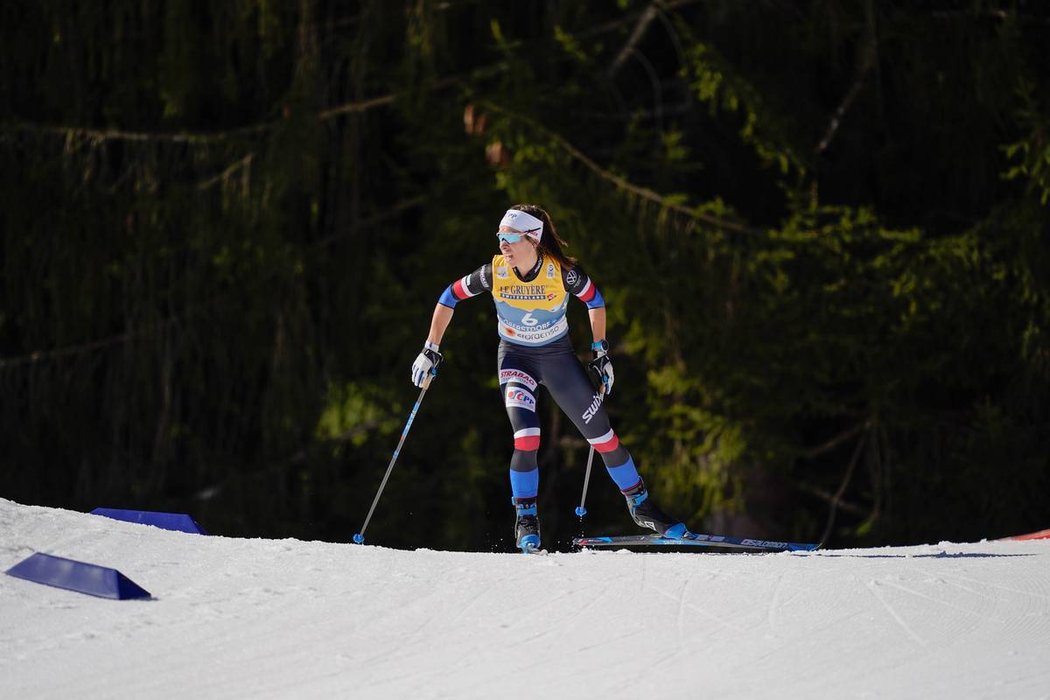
550, 271
524, 292
507, 375
501, 272
529, 324
534, 337
523, 297
520, 398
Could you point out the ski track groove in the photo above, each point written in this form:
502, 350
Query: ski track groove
1032, 610
946, 578
590, 600
680, 613
610, 640
1008, 589
701, 611
873, 587
461, 608
680, 637
774, 603
932, 599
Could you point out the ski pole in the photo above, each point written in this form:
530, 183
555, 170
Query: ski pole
581, 510
359, 538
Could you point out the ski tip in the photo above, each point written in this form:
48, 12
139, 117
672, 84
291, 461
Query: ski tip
359, 538
581, 511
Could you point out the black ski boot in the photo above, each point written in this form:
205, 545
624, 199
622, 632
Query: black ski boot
647, 514
526, 525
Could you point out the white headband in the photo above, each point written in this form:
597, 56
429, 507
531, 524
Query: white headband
524, 222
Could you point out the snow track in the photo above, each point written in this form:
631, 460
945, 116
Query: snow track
236, 618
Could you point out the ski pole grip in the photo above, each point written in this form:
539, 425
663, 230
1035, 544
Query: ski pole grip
429, 378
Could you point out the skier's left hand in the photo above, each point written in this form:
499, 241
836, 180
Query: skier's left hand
601, 368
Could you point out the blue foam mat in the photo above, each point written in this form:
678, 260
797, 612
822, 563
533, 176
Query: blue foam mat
78, 576
180, 522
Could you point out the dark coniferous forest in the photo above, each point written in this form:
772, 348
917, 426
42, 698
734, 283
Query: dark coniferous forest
821, 228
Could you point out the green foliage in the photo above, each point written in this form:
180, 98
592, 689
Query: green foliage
716, 84
1030, 157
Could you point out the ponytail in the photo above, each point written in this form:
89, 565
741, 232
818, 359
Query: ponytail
550, 243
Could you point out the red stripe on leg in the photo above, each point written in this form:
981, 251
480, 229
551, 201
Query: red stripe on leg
609, 445
527, 443
633, 488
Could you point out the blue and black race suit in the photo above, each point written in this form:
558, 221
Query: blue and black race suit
535, 350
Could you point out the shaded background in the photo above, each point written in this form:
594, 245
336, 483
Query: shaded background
821, 229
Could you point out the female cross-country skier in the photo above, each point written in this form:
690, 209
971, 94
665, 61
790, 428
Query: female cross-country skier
530, 281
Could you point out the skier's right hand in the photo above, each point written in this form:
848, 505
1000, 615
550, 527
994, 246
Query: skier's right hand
426, 364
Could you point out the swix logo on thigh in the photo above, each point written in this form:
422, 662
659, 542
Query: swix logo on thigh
506, 375
520, 398
596, 403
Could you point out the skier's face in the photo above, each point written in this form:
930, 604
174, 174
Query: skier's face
515, 246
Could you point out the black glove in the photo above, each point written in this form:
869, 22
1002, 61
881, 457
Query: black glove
601, 366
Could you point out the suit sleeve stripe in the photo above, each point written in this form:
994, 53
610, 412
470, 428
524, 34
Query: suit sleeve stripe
590, 296
447, 298
597, 301
587, 293
459, 288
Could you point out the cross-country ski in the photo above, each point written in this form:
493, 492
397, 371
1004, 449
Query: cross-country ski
691, 539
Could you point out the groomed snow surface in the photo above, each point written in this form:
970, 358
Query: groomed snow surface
250, 618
